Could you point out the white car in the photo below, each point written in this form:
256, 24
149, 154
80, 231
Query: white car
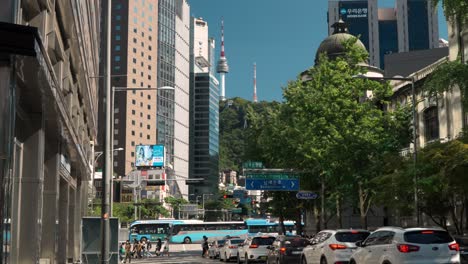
394, 245
229, 250
215, 246
333, 246
255, 249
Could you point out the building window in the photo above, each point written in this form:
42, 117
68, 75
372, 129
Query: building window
134, 40
149, 47
141, 124
149, 107
135, 20
117, 68
133, 112
117, 47
133, 154
134, 81
117, 58
141, 135
149, 57
133, 101
142, 54
149, 117
148, 137
135, 30
150, 38
142, 34
141, 104
133, 133
134, 60
133, 143
134, 50
116, 131
117, 37
135, 10
149, 97
116, 121
431, 124
148, 126
134, 71
117, 27
118, 6
141, 84
118, 17
133, 122
149, 67
149, 77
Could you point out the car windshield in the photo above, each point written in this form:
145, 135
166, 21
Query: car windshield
296, 242
263, 241
428, 237
352, 236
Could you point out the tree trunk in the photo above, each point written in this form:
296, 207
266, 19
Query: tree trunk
283, 228
338, 212
322, 195
299, 222
362, 206
317, 217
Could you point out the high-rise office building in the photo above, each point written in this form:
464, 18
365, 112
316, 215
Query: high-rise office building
411, 25
134, 57
204, 111
173, 106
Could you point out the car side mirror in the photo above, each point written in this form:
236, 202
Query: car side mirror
360, 244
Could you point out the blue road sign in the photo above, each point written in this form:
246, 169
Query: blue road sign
272, 185
306, 195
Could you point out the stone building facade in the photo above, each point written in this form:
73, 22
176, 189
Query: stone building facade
48, 58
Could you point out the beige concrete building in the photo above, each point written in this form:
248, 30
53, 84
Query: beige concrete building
49, 54
134, 59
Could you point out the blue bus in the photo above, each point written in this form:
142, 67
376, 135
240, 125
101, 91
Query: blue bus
143, 230
193, 232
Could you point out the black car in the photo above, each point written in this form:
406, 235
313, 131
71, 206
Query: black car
463, 243
286, 249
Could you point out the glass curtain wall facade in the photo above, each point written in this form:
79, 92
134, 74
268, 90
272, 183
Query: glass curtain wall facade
418, 21
205, 144
388, 38
173, 105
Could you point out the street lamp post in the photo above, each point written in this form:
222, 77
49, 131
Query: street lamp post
415, 151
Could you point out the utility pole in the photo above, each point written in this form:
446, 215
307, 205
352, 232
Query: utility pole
106, 177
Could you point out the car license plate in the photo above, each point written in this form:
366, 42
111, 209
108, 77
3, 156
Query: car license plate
263, 257
296, 252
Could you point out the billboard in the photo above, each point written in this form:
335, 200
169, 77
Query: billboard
355, 14
150, 156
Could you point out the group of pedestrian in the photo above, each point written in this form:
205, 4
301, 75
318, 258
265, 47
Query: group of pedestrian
141, 249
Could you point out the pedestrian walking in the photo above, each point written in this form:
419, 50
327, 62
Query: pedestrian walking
166, 247
205, 247
158, 247
128, 252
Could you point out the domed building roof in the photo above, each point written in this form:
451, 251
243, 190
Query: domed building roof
333, 44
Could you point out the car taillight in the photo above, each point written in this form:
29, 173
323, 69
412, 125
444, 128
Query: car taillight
427, 232
232, 246
337, 246
404, 248
454, 246
282, 250
253, 246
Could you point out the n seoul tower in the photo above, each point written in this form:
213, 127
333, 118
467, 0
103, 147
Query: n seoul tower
223, 67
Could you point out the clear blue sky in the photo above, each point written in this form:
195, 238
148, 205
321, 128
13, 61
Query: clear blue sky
280, 36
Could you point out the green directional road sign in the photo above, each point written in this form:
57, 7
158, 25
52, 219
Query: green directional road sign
252, 165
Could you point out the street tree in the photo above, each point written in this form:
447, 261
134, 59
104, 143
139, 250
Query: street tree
331, 129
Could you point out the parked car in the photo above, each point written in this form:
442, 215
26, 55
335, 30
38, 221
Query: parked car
394, 245
213, 251
254, 249
333, 246
286, 249
229, 250
463, 243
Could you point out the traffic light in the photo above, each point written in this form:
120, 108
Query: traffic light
155, 182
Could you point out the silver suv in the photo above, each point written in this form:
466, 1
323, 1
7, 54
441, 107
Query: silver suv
394, 245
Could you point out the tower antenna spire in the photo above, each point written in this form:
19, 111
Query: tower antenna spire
255, 83
222, 67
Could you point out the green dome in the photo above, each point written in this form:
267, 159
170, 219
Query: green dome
333, 44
